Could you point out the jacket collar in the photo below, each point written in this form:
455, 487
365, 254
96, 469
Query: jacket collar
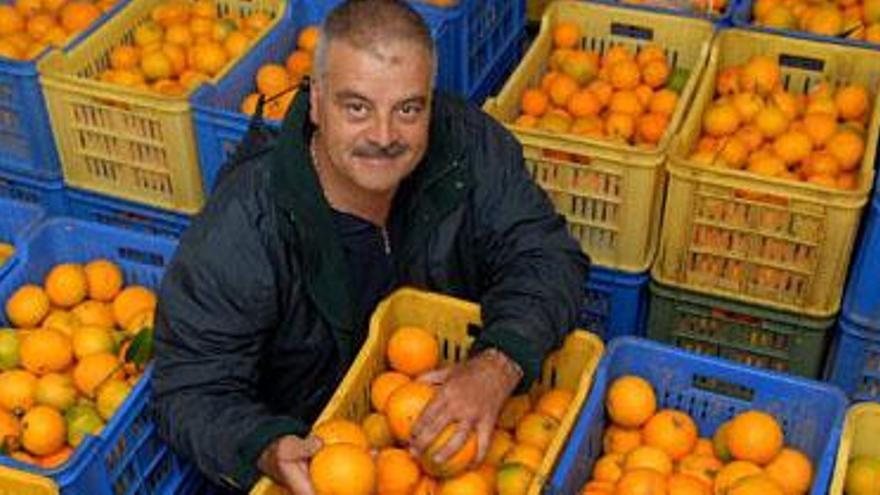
420, 202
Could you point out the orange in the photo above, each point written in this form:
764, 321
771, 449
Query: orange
57, 458
527, 121
469, 483
621, 440
603, 91
700, 467
727, 81
43, 431
343, 469
110, 397
771, 121
655, 73
591, 126
377, 431
584, 103
382, 387
792, 146
747, 105
177, 56
525, 455
823, 180
10, 431
848, 147
17, 390
625, 74
179, 34
500, 444
663, 102
11, 20
820, 127
649, 457
459, 461
397, 473
413, 351
144, 319
534, 102
299, 64
651, 127
66, 285
615, 54
598, 488
27, 306
754, 436
76, 16
209, 58
792, 106
258, 21
792, 471
427, 486
236, 44
89, 340
513, 411
55, 390
156, 65
308, 38
756, 485
608, 468
489, 472
761, 74
92, 312
170, 13
821, 163
22, 456
721, 120
581, 65
556, 121
732, 473
341, 431
824, 20
750, 136
10, 49
45, 351
566, 35
734, 153
704, 447
847, 181
131, 301
537, 430
650, 53
28, 8
672, 431
630, 401
249, 104
554, 403
205, 9
620, 126
39, 25
405, 405
626, 102
644, 93
190, 78
562, 89
91, 371
547, 80
766, 164
682, 484
123, 57
641, 482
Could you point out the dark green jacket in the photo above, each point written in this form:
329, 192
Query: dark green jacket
254, 328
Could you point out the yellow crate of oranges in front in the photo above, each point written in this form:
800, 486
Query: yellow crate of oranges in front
63, 361
651, 451
28, 27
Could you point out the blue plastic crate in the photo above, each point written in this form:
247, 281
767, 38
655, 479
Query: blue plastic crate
711, 391
861, 301
742, 18
27, 145
476, 43
501, 71
617, 303
17, 218
854, 361
127, 456
48, 194
120, 213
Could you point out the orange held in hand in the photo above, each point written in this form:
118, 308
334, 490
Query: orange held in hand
413, 351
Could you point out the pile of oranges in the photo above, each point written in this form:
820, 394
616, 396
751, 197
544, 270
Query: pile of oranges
755, 124
63, 368
853, 19
182, 44
371, 456
619, 95
28, 27
274, 79
660, 452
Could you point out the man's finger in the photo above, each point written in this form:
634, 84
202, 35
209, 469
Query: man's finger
485, 429
435, 377
456, 442
296, 478
435, 412
311, 445
429, 429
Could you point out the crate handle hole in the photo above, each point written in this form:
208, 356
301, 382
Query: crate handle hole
801, 62
473, 330
723, 387
141, 257
632, 31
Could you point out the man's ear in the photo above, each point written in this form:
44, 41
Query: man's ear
314, 98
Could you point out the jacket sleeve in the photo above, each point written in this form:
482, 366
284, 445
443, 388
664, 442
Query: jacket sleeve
218, 307
535, 271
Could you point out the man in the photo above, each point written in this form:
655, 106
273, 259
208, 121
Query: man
374, 183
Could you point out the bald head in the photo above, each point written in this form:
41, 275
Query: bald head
368, 25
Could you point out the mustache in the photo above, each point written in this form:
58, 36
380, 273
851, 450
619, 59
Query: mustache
389, 152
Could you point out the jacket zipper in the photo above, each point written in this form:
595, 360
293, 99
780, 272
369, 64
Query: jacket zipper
386, 240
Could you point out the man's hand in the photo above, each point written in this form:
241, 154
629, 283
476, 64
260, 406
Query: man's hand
286, 460
470, 394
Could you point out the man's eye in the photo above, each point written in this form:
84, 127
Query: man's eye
410, 110
357, 109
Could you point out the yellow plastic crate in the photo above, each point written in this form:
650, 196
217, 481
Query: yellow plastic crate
860, 436
451, 319
765, 241
124, 142
610, 193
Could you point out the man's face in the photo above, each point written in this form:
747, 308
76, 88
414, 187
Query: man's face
372, 108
